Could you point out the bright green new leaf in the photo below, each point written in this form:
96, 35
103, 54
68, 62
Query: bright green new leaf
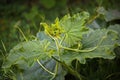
74, 27
53, 30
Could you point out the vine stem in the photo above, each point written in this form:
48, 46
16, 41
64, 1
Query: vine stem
77, 50
73, 72
3, 48
62, 39
56, 70
88, 50
57, 45
94, 17
21, 76
45, 68
58, 51
76, 65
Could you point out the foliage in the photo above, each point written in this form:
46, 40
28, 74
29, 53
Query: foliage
92, 54
64, 41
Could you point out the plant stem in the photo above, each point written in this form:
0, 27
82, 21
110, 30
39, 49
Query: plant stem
4, 47
22, 33
88, 50
73, 72
57, 45
77, 50
62, 39
76, 65
21, 76
93, 18
45, 68
56, 70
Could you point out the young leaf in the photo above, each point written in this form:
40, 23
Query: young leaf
53, 30
74, 27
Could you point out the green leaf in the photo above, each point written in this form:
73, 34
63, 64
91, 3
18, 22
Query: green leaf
74, 27
109, 15
112, 15
104, 50
116, 27
101, 10
26, 53
37, 73
42, 36
94, 25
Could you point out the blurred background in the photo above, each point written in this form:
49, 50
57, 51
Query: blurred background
27, 14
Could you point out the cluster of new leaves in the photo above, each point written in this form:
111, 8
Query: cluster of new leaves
74, 41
